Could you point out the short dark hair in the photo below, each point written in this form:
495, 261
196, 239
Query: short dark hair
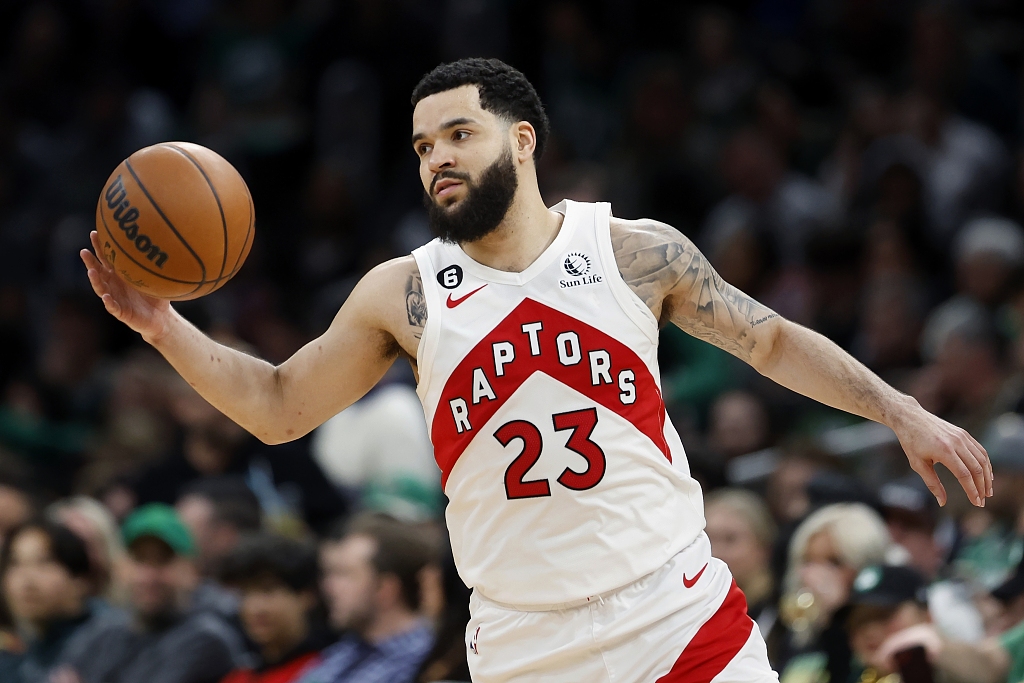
233, 501
66, 547
402, 550
504, 91
261, 556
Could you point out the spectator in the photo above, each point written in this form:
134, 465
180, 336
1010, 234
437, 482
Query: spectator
166, 638
371, 583
767, 197
277, 578
47, 582
990, 547
285, 478
94, 524
912, 517
16, 506
379, 451
826, 553
447, 662
738, 424
891, 317
884, 601
218, 511
742, 533
1010, 595
966, 380
989, 253
998, 659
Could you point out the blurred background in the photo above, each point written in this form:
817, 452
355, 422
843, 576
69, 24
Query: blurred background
857, 165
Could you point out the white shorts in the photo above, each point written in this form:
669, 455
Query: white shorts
685, 623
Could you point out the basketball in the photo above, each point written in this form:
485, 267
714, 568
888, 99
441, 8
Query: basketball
175, 220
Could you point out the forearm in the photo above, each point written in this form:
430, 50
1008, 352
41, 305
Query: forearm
244, 388
808, 363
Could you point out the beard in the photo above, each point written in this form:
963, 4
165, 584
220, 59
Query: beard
483, 208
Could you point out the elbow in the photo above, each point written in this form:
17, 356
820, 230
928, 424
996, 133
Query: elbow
277, 435
270, 438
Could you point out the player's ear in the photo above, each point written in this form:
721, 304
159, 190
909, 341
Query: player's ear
524, 141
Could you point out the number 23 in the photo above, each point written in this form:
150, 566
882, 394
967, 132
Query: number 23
582, 423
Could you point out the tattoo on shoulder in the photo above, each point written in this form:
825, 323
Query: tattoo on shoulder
415, 303
669, 274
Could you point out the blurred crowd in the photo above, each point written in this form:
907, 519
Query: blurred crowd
857, 165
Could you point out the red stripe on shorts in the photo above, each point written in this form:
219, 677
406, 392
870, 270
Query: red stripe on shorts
715, 643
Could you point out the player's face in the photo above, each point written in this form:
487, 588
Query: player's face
467, 168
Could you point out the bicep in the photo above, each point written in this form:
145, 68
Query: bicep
667, 271
704, 305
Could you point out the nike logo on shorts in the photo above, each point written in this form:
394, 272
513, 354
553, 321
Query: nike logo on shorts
689, 582
452, 303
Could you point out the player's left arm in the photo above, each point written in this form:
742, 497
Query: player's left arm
678, 284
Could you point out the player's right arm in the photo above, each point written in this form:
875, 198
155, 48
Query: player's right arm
382, 319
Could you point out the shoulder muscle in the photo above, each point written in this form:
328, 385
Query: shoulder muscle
648, 255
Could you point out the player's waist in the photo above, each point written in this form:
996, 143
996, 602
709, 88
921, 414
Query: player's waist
700, 545
553, 606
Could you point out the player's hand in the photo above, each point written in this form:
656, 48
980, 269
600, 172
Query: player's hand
928, 440
146, 315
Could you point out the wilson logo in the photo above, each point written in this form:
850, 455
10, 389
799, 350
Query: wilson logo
126, 216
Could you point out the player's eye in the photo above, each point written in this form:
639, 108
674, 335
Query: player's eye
460, 135
422, 149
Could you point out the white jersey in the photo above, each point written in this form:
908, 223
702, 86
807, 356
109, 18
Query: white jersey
542, 394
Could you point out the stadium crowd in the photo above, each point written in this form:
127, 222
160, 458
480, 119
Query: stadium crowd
856, 165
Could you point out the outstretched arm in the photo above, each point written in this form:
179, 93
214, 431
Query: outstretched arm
678, 284
325, 376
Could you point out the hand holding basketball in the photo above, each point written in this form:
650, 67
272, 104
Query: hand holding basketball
146, 315
175, 221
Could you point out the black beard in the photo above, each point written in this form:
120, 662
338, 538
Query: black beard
483, 208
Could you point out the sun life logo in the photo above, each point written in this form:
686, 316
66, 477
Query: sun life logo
576, 264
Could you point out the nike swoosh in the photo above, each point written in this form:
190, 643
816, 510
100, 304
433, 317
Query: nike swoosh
689, 582
452, 303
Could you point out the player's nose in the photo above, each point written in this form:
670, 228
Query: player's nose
440, 159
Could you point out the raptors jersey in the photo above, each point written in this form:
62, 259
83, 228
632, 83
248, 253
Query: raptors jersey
542, 394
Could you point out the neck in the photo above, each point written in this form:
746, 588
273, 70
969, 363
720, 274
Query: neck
390, 623
275, 652
527, 230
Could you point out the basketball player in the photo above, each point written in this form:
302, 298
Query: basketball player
534, 335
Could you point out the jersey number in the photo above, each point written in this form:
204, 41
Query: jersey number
582, 423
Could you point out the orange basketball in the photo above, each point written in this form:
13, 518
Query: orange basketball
175, 220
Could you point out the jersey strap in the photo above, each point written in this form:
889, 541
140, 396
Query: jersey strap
537, 338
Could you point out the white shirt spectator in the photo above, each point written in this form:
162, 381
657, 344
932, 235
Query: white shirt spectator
380, 441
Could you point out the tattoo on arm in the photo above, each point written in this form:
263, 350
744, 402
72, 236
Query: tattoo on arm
415, 303
670, 275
